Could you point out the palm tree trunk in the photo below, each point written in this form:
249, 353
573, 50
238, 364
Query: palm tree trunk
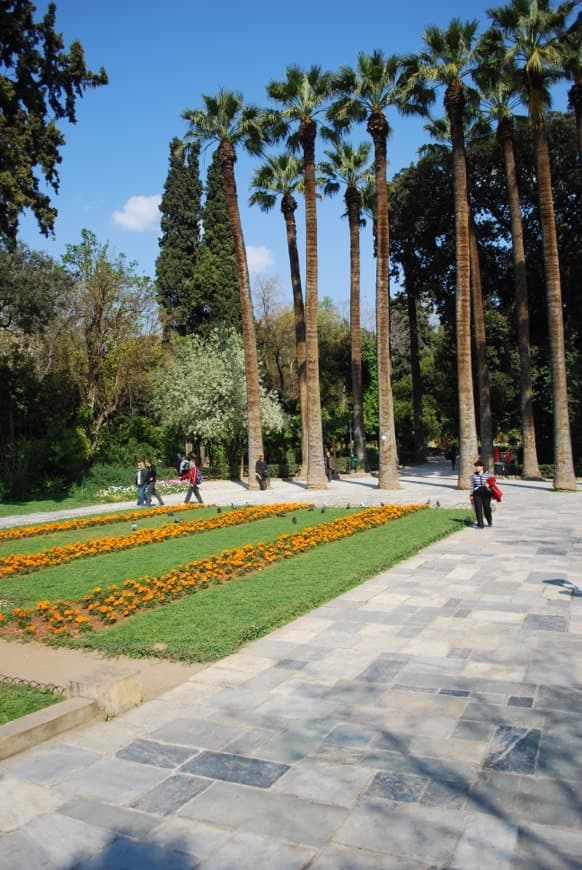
417, 387
564, 476
485, 420
531, 468
288, 206
387, 452
575, 100
227, 159
454, 101
316, 477
353, 203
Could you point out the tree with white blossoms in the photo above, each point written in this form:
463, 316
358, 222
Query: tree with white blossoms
202, 395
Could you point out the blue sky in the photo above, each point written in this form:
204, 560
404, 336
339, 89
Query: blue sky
160, 58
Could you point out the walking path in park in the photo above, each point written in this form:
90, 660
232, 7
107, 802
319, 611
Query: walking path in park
429, 718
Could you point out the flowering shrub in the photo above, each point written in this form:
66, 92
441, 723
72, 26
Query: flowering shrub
120, 493
25, 563
108, 605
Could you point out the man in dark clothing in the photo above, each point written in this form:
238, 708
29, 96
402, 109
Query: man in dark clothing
262, 471
480, 494
151, 476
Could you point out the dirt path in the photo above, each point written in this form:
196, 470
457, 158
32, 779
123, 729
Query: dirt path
56, 667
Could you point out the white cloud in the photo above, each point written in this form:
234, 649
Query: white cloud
259, 259
139, 213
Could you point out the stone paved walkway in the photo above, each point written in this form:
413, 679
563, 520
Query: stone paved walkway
430, 718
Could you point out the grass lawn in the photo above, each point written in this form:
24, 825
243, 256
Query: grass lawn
215, 622
17, 701
18, 508
72, 580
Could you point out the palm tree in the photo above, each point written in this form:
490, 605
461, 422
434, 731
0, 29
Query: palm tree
349, 165
573, 68
303, 95
227, 122
533, 35
281, 175
498, 92
475, 128
445, 61
364, 94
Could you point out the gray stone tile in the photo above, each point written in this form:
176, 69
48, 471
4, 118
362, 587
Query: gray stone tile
195, 838
487, 843
198, 732
137, 855
400, 787
421, 834
384, 669
335, 857
112, 780
236, 768
130, 823
52, 840
554, 698
543, 622
170, 794
246, 851
451, 795
351, 735
545, 847
314, 779
49, 764
518, 701
266, 812
156, 754
514, 749
468, 730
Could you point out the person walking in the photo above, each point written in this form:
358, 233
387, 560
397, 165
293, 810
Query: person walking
140, 482
151, 477
480, 495
262, 471
329, 466
192, 475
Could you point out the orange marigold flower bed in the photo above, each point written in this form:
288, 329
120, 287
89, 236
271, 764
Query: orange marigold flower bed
105, 606
25, 563
34, 531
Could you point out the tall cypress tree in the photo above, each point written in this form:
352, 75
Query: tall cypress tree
215, 281
180, 242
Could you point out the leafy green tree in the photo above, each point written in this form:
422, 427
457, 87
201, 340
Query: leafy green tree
349, 165
201, 394
40, 82
534, 36
227, 122
180, 240
216, 286
32, 285
302, 97
110, 338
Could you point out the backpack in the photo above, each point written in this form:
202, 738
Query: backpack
198, 476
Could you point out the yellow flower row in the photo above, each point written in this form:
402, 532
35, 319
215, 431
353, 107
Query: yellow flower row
25, 563
114, 603
90, 522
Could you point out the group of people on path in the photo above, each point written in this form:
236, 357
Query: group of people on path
145, 480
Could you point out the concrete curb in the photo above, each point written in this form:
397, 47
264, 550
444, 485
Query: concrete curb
35, 728
103, 695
